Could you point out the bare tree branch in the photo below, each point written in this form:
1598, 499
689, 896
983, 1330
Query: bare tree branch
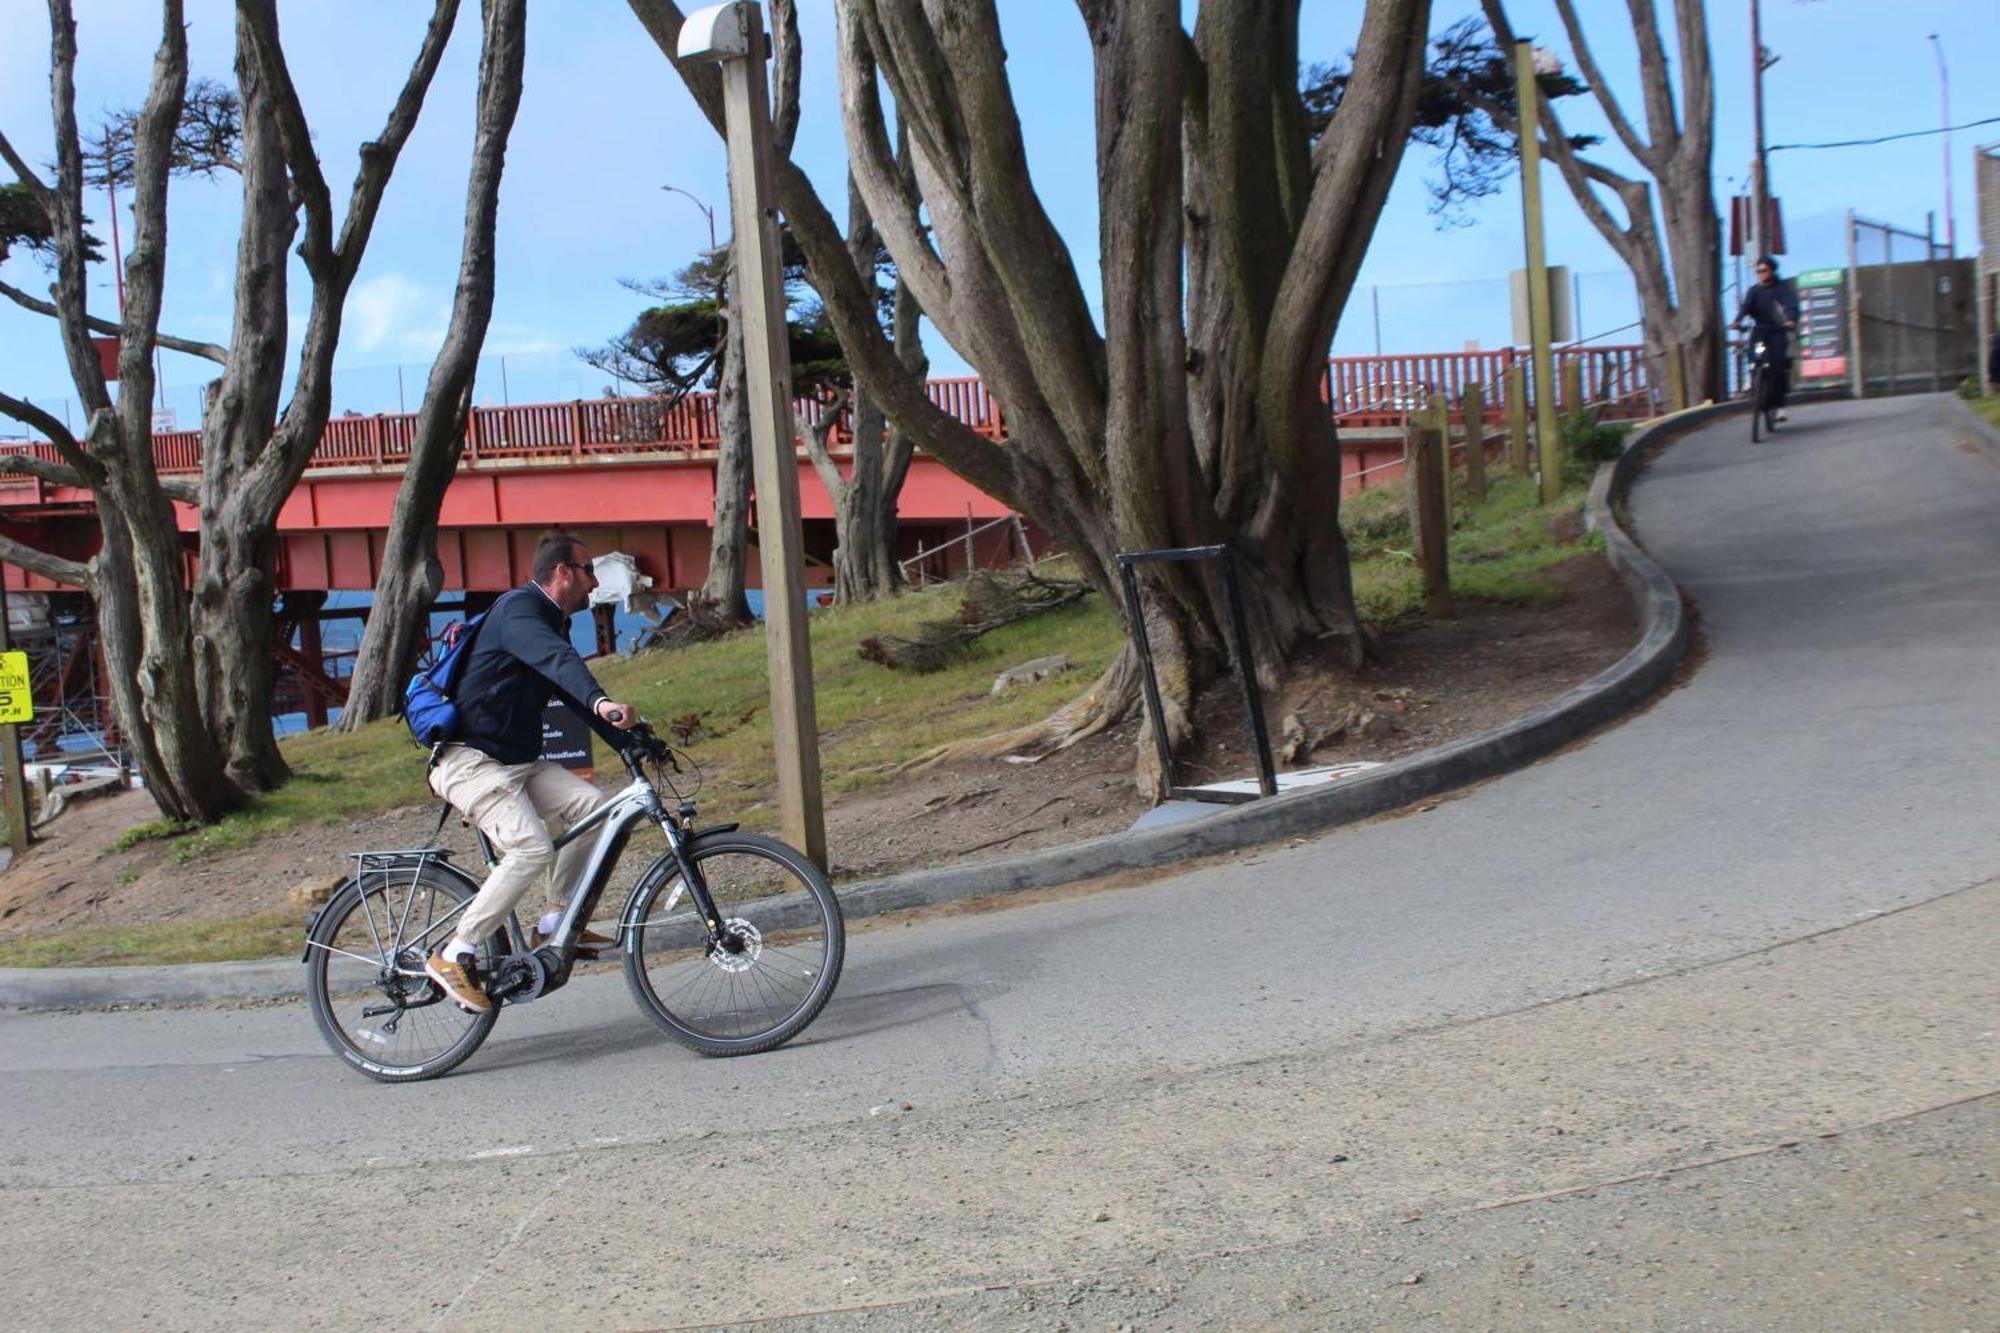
97, 324
23, 171
184, 489
378, 157
1587, 62
260, 20
57, 433
65, 205
70, 572
874, 168
1656, 84
816, 433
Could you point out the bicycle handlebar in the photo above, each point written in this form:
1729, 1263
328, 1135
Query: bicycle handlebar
643, 744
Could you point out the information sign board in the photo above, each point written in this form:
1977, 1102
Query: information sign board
1822, 352
566, 737
16, 703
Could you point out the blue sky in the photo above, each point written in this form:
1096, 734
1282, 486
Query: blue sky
604, 123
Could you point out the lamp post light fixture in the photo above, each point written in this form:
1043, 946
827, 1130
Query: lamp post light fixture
1944, 97
706, 212
733, 34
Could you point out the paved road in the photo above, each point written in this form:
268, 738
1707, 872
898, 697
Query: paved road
1103, 1084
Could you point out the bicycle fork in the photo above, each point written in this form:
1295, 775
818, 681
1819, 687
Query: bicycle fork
719, 938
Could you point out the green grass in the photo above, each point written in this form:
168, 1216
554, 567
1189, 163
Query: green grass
871, 718
174, 942
1988, 407
1497, 550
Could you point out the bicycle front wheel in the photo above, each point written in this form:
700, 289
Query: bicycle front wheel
365, 974
1756, 403
784, 943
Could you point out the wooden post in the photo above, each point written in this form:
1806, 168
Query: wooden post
13, 774
1677, 384
734, 34
1547, 441
1517, 419
1441, 415
1572, 385
1427, 446
1472, 406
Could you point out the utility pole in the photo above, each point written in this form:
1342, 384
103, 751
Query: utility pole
1944, 96
1760, 184
734, 35
1548, 442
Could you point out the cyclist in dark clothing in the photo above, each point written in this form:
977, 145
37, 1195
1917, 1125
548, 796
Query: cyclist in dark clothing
494, 773
1772, 309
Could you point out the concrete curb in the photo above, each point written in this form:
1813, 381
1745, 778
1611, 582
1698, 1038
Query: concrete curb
1972, 421
1608, 695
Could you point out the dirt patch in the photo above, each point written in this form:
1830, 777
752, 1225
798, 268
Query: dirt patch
1433, 682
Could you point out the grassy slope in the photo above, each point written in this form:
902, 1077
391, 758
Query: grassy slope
1988, 407
870, 718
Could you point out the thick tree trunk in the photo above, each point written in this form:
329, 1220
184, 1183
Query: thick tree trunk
729, 540
1106, 452
252, 458
865, 502
412, 576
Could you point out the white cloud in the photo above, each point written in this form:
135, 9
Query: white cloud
391, 314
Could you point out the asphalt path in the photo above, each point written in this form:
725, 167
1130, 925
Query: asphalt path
1832, 759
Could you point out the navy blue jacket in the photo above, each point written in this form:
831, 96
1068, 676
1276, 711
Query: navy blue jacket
521, 658
1769, 308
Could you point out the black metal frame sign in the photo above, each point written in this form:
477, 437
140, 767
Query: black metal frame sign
1240, 662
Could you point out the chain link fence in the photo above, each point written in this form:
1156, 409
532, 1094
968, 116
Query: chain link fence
1912, 327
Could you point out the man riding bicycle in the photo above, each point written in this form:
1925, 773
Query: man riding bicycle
1772, 310
494, 773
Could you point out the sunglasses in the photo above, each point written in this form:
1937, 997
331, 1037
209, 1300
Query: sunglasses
582, 567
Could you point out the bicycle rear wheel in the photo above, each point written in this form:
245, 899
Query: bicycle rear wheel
365, 974
786, 945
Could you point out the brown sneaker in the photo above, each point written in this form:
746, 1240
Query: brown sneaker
458, 983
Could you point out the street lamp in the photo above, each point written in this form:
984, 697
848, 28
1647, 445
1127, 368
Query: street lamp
1944, 94
706, 212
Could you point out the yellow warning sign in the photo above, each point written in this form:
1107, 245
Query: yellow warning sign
16, 705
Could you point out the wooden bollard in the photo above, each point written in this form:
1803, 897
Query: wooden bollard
1438, 410
1517, 419
1472, 406
1572, 385
1428, 448
1677, 384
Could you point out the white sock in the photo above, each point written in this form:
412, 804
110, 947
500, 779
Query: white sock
458, 951
550, 920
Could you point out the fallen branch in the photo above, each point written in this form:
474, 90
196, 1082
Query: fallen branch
991, 600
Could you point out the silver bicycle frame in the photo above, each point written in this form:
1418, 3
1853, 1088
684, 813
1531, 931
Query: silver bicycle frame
613, 819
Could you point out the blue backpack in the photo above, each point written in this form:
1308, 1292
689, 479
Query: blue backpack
429, 701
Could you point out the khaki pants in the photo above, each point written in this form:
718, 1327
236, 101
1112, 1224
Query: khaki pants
509, 803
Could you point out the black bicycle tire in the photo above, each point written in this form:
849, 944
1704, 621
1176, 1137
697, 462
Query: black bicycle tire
325, 926
1756, 402
663, 872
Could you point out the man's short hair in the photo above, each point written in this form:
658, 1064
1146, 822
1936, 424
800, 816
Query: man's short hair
556, 547
1766, 261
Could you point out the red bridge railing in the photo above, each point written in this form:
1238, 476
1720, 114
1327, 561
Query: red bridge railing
1361, 391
